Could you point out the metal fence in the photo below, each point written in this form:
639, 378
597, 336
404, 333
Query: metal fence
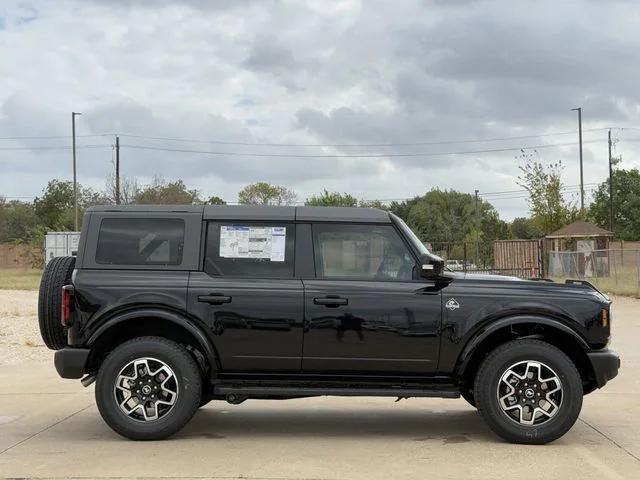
513, 258
613, 270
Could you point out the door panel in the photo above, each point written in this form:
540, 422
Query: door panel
256, 323
371, 327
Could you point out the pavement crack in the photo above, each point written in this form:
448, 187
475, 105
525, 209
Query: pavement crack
48, 427
610, 439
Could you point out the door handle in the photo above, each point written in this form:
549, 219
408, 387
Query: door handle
214, 299
331, 302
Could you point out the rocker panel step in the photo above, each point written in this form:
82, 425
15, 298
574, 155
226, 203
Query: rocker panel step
345, 392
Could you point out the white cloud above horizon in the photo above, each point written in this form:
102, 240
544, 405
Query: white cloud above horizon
315, 72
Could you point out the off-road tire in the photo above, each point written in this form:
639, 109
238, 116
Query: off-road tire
506, 355
56, 274
187, 374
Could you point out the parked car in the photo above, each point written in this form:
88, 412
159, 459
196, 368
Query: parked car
455, 265
168, 308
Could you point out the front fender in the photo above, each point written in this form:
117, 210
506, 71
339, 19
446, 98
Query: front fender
181, 320
496, 325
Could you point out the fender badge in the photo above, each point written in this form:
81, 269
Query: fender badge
452, 304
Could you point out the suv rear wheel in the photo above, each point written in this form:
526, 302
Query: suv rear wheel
148, 388
528, 391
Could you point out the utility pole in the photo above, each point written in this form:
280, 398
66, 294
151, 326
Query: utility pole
75, 178
117, 170
477, 228
610, 186
579, 110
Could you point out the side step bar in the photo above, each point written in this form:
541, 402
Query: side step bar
345, 392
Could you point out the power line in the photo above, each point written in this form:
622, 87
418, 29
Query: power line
53, 147
408, 144
50, 137
506, 192
376, 155
271, 144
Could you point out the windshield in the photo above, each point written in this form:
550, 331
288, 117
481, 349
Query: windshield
410, 235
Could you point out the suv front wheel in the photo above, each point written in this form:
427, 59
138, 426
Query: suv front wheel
148, 388
528, 391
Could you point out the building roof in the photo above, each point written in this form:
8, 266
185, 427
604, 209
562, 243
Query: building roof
261, 213
580, 229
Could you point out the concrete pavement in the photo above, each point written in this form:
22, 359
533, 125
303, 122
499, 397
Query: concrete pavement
50, 428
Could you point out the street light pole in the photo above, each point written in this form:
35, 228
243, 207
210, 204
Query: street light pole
610, 185
75, 179
579, 110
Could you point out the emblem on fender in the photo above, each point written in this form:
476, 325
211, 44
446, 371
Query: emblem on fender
452, 304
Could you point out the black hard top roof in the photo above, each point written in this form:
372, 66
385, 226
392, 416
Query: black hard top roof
259, 212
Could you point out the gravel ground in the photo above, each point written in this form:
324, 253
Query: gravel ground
20, 339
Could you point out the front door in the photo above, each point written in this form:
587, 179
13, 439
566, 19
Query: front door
248, 298
365, 312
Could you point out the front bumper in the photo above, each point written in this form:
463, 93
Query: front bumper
605, 364
70, 362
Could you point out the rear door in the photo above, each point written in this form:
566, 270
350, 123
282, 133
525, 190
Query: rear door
366, 313
248, 298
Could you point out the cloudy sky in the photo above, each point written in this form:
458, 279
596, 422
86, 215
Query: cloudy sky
407, 79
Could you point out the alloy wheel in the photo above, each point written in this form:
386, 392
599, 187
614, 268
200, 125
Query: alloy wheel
530, 393
146, 389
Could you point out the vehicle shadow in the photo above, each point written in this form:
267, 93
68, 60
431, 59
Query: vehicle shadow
452, 426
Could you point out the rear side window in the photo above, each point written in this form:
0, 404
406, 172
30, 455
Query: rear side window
140, 241
250, 249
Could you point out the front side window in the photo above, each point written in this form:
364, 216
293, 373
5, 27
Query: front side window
140, 241
250, 249
368, 252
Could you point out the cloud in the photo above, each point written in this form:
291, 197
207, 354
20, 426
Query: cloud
346, 72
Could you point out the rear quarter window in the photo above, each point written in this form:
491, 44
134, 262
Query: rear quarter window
140, 241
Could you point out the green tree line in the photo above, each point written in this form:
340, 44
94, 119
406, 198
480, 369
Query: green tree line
437, 216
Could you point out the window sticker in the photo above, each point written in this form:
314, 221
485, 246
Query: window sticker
241, 241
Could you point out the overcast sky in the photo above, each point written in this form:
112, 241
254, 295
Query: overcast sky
316, 72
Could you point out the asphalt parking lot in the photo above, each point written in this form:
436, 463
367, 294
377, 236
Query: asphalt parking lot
50, 428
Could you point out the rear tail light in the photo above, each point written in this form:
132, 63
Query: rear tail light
604, 318
66, 305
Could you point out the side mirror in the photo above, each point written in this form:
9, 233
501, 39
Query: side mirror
431, 266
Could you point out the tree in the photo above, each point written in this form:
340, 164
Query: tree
129, 190
450, 216
333, 199
524, 229
22, 223
162, 192
626, 204
263, 193
3, 219
215, 201
55, 208
549, 210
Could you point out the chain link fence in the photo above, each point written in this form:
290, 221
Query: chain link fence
614, 270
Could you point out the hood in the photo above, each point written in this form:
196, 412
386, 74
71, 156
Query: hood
486, 276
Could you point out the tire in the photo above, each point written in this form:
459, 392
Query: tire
518, 422
183, 378
56, 274
467, 394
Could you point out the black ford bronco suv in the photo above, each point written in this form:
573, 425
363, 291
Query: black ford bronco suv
169, 307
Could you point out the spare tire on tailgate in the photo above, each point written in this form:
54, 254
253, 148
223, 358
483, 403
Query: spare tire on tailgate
56, 274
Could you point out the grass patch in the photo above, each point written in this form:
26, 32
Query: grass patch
20, 278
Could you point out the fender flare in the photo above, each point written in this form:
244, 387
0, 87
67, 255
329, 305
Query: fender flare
488, 330
189, 325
